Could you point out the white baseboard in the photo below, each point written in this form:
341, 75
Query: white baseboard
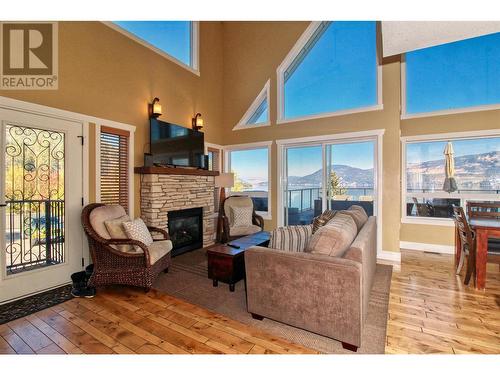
390, 256
418, 246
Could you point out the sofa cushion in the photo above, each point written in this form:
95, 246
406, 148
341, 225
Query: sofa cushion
335, 237
137, 230
322, 219
158, 250
358, 215
116, 231
101, 214
241, 216
244, 231
291, 238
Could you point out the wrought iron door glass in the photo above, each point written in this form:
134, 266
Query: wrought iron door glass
34, 195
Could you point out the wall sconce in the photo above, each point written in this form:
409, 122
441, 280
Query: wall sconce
197, 122
155, 108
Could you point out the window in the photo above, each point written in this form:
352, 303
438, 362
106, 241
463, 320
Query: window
477, 175
250, 166
332, 68
114, 167
177, 39
258, 112
453, 76
350, 178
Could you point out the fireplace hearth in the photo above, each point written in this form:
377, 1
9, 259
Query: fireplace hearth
185, 228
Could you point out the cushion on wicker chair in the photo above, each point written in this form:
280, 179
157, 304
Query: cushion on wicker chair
101, 214
241, 216
158, 250
232, 202
116, 231
244, 231
137, 230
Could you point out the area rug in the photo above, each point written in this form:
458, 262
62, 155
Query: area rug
30, 305
187, 279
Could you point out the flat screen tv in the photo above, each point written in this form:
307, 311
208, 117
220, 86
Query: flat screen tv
175, 145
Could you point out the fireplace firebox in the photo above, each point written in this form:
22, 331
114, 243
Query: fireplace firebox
185, 228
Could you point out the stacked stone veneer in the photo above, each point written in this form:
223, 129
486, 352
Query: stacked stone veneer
161, 193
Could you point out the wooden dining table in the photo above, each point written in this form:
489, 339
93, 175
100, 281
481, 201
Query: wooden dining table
485, 228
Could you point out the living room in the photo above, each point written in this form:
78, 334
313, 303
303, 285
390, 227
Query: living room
232, 142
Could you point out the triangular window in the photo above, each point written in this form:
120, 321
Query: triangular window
331, 69
258, 112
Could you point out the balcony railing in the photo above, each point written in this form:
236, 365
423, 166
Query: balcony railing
34, 234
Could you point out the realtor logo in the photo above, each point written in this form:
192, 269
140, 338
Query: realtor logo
29, 56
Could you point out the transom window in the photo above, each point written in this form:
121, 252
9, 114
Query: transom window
333, 68
476, 175
453, 76
178, 39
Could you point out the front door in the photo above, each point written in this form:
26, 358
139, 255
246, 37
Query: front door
41, 240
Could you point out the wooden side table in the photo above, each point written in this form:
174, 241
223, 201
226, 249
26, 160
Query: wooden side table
227, 264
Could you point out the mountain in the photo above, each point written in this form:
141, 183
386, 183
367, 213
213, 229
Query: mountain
352, 177
476, 172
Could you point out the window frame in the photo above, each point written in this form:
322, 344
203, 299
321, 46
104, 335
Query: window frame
266, 215
447, 222
442, 112
194, 67
294, 52
264, 93
131, 155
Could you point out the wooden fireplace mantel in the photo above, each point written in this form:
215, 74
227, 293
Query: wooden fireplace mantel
173, 170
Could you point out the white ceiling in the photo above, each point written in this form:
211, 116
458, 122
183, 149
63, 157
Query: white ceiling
404, 36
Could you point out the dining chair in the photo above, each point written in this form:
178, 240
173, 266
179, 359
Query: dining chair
467, 244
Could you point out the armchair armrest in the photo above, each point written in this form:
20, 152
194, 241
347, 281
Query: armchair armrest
161, 231
258, 220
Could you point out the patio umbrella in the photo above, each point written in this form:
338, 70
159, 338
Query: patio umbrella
450, 185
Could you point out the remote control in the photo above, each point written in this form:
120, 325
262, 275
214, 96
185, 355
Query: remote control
233, 246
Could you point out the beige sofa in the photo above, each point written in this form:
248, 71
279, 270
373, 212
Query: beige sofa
323, 294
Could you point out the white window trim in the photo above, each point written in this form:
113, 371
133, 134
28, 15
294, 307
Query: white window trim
443, 112
446, 222
195, 46
252, 146
243, 123
369, 135
301, 42
131, 156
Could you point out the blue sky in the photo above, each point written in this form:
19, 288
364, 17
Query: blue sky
173, 37
454, 75
250, 163
339, 72
420, 152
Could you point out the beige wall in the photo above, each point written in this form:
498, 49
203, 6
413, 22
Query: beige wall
105, 74
252, 52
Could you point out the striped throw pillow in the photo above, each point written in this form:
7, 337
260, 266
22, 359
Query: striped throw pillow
292, 238
322, 219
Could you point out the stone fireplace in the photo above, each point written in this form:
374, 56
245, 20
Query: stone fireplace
167, 190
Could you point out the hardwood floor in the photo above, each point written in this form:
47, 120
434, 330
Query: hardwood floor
126, 320
430, 311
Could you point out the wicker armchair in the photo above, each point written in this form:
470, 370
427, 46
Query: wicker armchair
112, 266
231, 233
